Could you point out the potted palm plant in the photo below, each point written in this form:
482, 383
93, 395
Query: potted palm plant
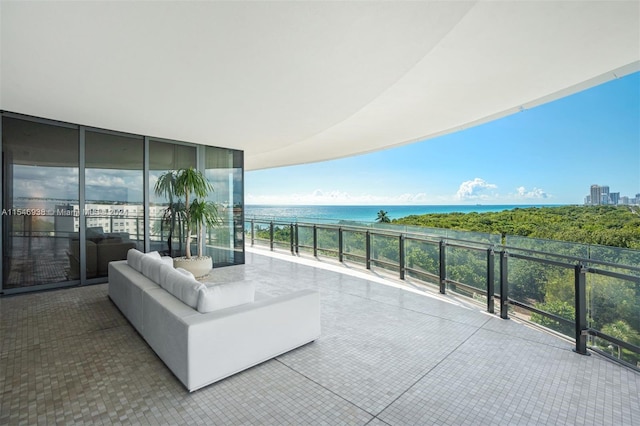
172, 216
196, 213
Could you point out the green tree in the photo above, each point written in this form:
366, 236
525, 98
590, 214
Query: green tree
172, 215
615, 226
612, 300
382, 217
562, 309
182, 184
622, 331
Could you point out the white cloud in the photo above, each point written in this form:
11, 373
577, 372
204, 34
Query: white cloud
475, 189
535, 193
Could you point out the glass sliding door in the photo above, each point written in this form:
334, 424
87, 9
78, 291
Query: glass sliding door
223, 168
114, 199
166, 231
75, 198
40, 164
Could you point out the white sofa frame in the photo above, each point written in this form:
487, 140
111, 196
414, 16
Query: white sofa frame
201, 349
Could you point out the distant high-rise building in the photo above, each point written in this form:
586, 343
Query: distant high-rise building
614, 198
599, 195
596, 194
604, 191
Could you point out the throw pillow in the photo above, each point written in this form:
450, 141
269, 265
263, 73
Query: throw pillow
168, 260
225, 295
181, 286
154, 254
185, 272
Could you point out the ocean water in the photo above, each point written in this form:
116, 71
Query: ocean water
329, 214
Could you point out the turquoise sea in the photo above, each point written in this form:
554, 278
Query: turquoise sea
364, 213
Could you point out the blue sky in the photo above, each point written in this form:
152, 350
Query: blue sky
550, 154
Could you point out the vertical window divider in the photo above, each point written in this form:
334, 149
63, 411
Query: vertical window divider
146, 196
2, 218
201, 165
81, 203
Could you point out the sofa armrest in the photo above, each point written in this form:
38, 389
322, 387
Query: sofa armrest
224, 342
126, 289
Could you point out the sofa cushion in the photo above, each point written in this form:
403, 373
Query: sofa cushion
110, 240
164, 282
94, 233
150, 266
134, 259
74, 259
185, 272
225, 295
154, 254
135, 256
181, 286
168, 260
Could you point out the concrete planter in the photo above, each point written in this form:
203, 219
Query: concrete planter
198, 266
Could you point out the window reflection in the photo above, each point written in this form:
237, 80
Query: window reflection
40, 182
41, 207
165, 232
114, 209
225, 243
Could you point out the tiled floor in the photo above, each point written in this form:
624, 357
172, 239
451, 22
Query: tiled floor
387, 355
36, 260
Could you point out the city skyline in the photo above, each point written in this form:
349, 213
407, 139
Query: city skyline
545, 155
601, 194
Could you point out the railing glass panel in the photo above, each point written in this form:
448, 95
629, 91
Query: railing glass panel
556, 284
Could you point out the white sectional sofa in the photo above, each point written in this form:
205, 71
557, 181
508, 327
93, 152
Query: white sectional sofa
205, 333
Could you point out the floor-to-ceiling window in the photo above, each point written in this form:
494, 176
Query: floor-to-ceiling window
114, 198
75, 198
40, 164
223, 168
166, 231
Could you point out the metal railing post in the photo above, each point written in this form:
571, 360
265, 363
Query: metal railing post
291, 239
368, 250
271, 235
443, 267
340, 242
581, 309
253, 233
401, 256
297, 239
504, 285
315, 241
491, 259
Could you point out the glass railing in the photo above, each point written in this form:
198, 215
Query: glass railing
590, 294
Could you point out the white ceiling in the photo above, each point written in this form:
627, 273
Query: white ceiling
302, 81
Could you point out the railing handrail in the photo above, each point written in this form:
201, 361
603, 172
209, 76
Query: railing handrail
581, 266
434, 238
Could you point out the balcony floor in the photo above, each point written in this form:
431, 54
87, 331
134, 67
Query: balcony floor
388, 354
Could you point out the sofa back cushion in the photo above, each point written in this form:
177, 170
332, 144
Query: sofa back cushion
134, 259
185, 272
151, 268
225, 295
146, 263
181, 286
154, 254
167, 259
